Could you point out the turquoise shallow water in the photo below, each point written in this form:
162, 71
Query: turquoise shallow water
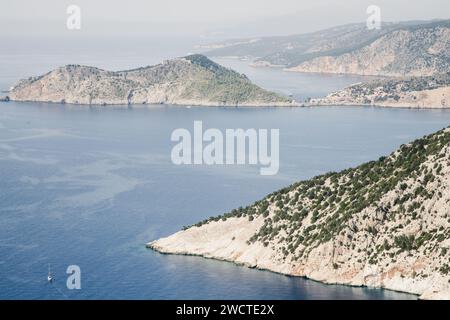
90, 186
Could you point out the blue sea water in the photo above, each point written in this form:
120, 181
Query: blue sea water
89, 186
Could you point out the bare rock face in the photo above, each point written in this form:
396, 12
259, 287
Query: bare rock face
384, 224
396, 49
292, 49
410, 52
192, 80
409, 92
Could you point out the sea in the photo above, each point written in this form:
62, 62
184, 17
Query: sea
90, 186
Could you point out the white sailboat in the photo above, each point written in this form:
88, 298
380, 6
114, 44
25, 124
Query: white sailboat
49, 276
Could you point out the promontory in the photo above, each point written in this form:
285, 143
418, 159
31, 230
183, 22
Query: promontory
383, 224
190, 80
429, 92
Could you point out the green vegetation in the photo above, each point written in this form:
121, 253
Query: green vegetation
217, 83
306, 214
391, 87
194, 79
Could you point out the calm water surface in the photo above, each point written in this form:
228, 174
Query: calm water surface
90, 186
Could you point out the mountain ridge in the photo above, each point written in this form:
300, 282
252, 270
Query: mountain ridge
317, 51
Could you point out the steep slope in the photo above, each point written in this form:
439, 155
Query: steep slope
293, 49
410, 92
415, 48
192, 80
421, 51
383, 224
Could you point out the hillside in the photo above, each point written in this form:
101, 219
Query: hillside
383, 224
397, 49
191, 80
293, 49
409, 92
407, 52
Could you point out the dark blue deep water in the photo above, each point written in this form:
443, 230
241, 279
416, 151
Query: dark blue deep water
90, 186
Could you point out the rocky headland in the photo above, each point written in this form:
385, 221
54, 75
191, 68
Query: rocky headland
191, 80
404, 92
384, 224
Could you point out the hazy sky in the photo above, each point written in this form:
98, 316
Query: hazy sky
230, 17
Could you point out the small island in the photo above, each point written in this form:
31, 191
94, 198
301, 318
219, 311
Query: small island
190, 80
383, 224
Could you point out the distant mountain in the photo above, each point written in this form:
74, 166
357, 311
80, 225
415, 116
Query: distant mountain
290, 50
191, 80
420, 51
410, 92
383, 224
397, 49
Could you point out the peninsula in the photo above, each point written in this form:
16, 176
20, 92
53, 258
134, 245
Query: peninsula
400, 92
190, 80
401, 49
383, 224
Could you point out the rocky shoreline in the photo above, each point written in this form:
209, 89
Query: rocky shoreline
190, 80
194, 243
398, 240
426, 92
